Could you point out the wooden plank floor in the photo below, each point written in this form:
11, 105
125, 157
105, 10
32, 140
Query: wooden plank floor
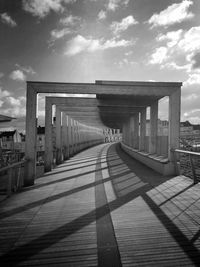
102, 208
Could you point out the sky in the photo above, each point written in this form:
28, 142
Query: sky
88, 40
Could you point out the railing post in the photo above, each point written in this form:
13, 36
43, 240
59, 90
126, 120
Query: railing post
193, 169
175, 162
9, 184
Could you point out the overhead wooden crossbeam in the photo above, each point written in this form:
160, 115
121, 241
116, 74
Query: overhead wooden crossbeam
101, 114
96, 102
106, 87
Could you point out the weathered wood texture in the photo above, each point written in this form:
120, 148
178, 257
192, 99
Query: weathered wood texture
99, 204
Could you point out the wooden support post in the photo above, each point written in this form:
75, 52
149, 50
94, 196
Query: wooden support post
143, 118
70, 136
174, 122
131, 131
31, 134
64, 135
58, 136
48, 153
136, 131
78, 136
153, 127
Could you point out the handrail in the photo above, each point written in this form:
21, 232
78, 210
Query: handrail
15, 164
191, 154
9, 168
187, 152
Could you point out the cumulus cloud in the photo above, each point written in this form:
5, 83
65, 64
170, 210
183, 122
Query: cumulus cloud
6, 19
190, 99
70, 20
102, 15
196, 60
70, 24
159, 55
174, 13
58, 34
123, 25
4, 93
190, 40
112, 5
181, 50
193, 79
80, 44
1, 74
42, 8
172, 37
18, 75
11, 106
26, 69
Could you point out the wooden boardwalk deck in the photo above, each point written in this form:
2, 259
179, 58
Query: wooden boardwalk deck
102, 208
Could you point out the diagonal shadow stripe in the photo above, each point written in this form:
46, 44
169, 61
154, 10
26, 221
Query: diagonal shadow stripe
26, 251
32, 248
55, 197
186, 245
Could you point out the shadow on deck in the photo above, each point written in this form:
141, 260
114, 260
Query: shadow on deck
102, 208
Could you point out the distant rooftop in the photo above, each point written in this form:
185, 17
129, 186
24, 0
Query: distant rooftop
4, 118
7, 133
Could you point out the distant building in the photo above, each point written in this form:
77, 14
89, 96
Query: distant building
186, 129
40, 138
9, 140
196, 131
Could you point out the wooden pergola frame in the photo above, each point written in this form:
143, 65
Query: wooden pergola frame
134, 93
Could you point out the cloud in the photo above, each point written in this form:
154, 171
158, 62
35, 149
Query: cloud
181, 50
26, 69
123, 25
58, 34
174, 13
4, 93
196, 60
190, 99
70, 20
80, 44
159, 55
102, 15
125, 62
112, 5
190, 40
1, 74
172, 37
12, 106
18, 75
42, 8
5, 18
193, 78
70, 24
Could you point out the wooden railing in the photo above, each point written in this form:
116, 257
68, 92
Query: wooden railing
9, 171
188, 162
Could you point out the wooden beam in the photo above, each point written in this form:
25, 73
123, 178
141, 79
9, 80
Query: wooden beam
133, 88
93, 102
